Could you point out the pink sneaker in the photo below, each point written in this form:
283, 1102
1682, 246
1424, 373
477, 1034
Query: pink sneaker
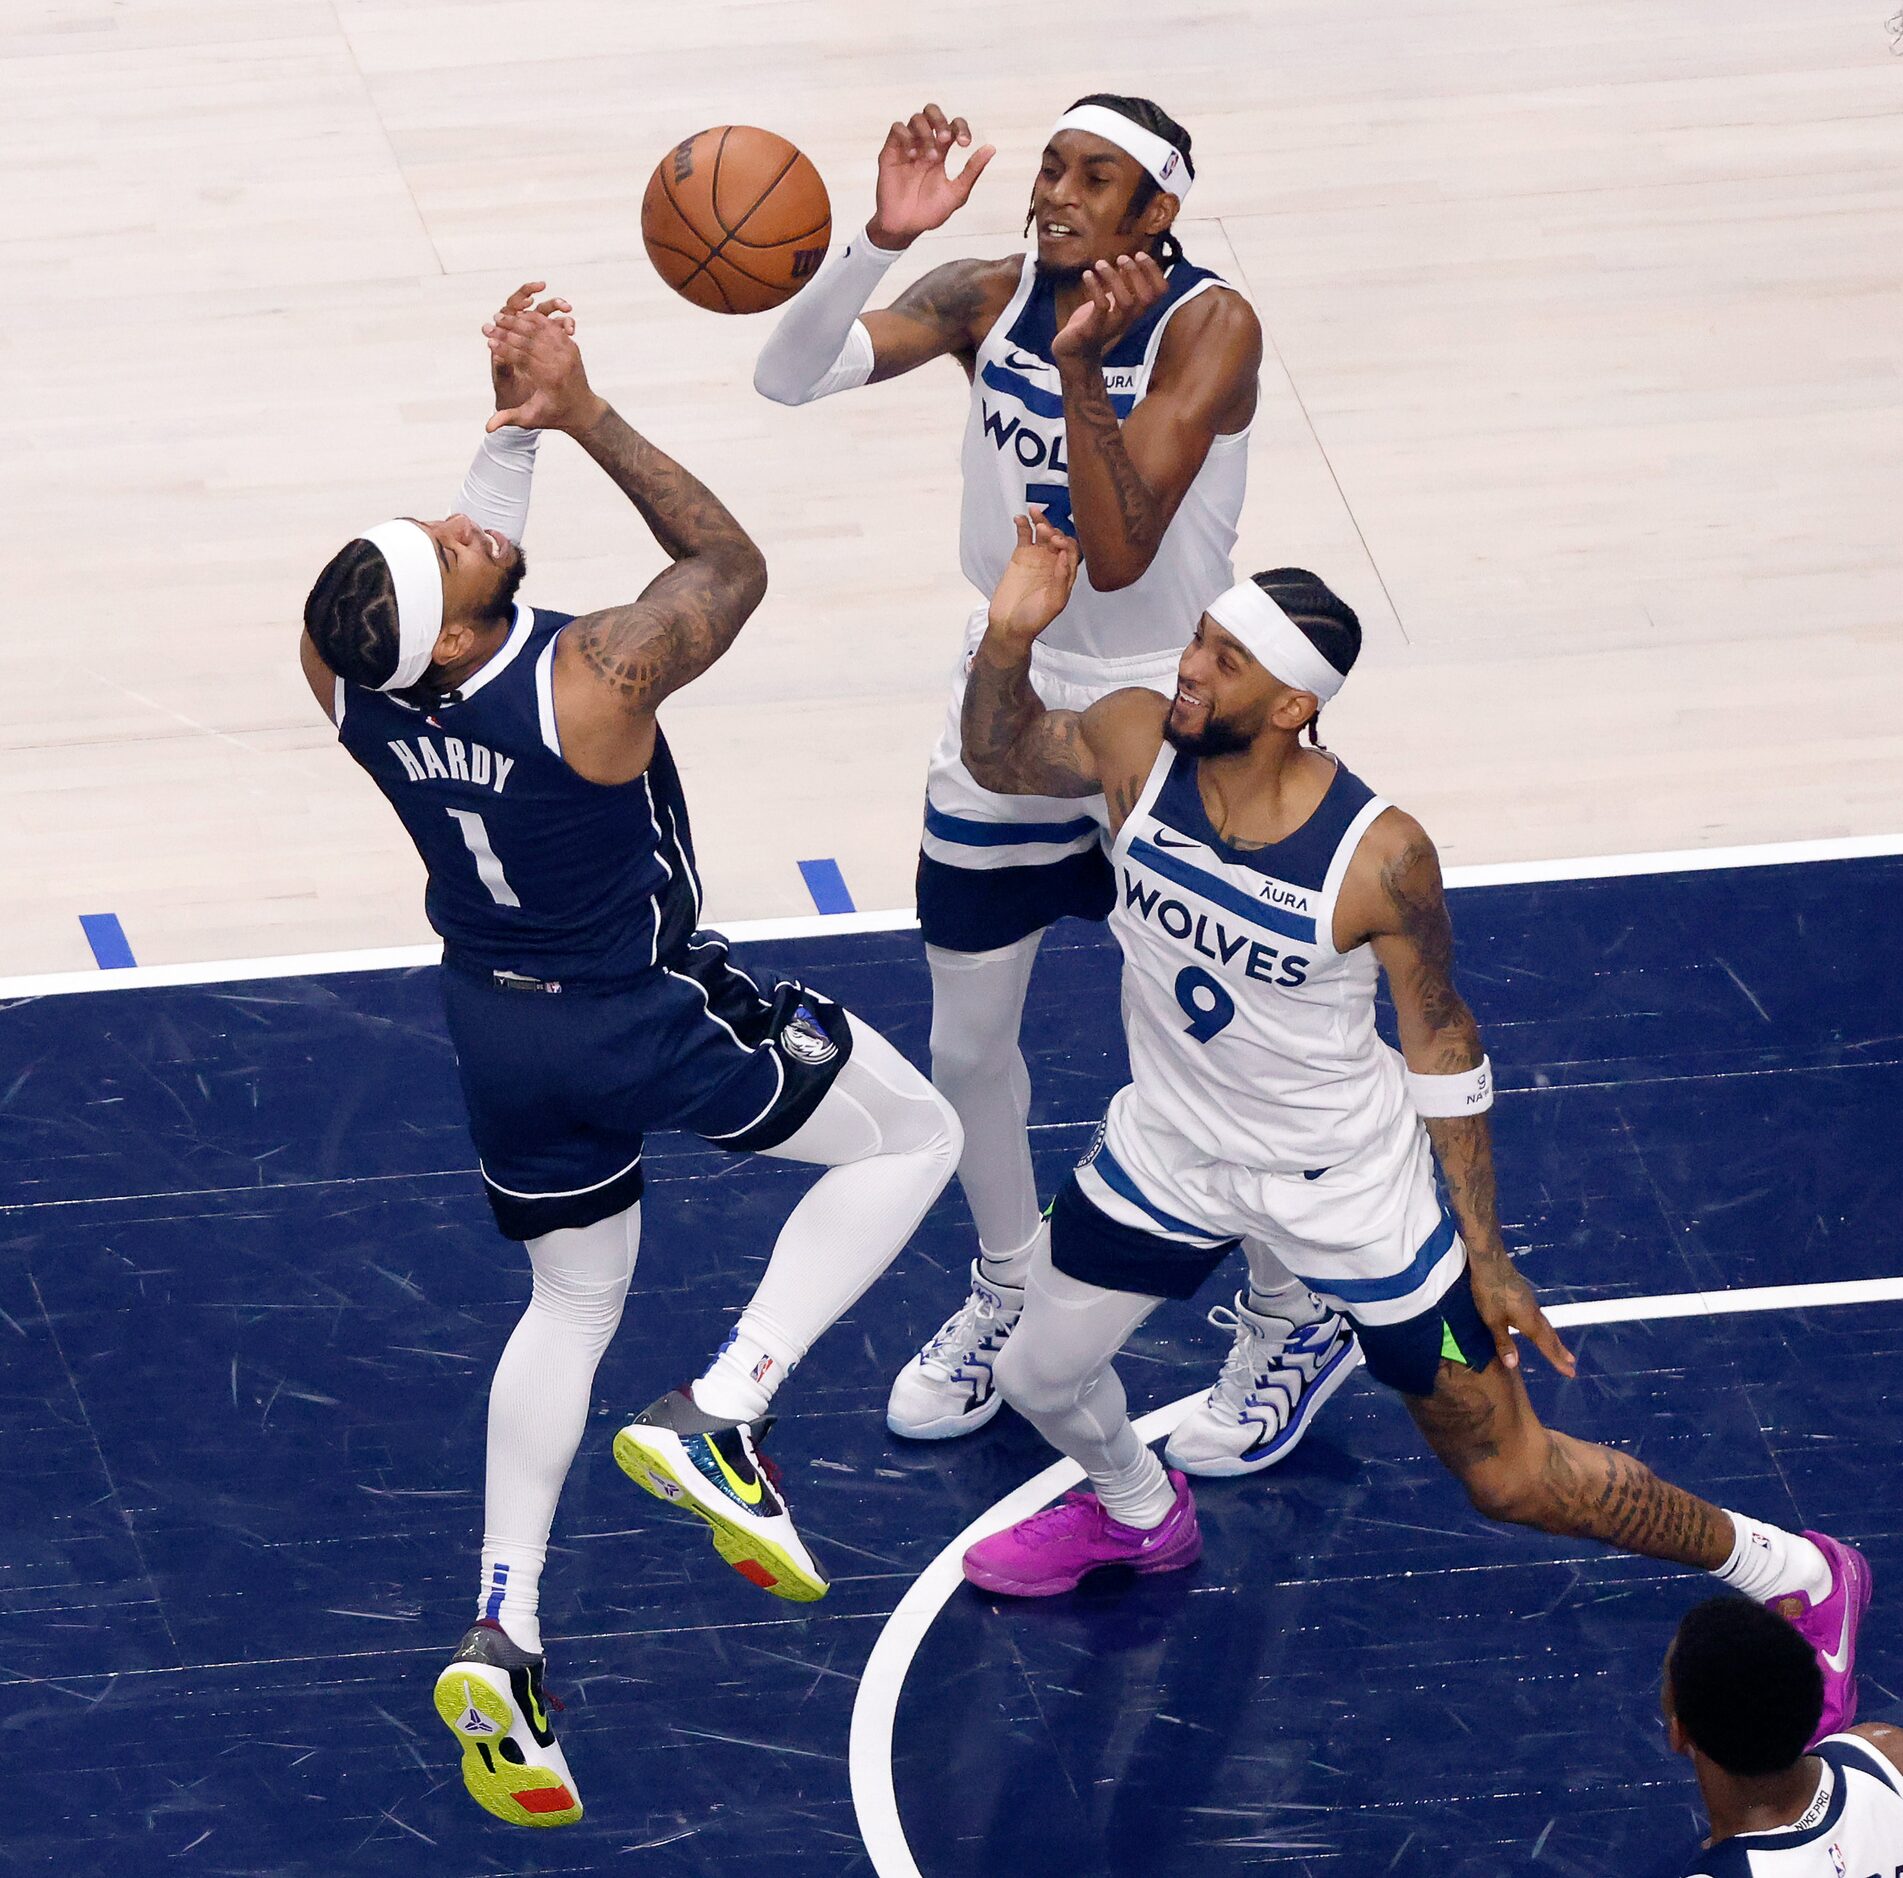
1830, 1628
1052, 1550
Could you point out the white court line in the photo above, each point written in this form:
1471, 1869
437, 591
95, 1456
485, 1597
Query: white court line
869, 1751
902, 919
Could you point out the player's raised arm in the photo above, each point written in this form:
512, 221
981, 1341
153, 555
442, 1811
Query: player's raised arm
614, 667
1129, 476
1395, 885
1016, 745
824, 341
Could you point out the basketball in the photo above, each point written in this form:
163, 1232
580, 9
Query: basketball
736, 219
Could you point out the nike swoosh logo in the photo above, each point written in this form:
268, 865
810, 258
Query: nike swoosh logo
748, 1493
1838, 1660
1017, 364
1163, 841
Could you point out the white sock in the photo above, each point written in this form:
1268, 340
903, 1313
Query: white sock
538, 1408
1767, 1562
1139, 1494
739, 1383
1008, 1270
1275, 1291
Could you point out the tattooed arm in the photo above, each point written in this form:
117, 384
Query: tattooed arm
1129, 476
947, 311
1399, 907
613, 668
1016, 746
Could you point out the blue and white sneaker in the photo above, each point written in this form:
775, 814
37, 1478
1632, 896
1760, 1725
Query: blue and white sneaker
1276, 1376
946, 1390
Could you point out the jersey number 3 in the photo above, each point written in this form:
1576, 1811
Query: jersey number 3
1205, 1003
488, 868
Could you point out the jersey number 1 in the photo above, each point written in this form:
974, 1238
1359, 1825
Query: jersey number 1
488, 868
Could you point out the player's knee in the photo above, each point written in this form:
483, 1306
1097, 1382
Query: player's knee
1032, 1385
1509, 1487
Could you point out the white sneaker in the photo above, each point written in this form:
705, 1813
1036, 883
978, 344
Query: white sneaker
946, 1389
1274, 1378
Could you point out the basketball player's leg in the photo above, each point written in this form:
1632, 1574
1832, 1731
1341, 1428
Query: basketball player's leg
839, 1097
491, 1695
994, 872
1477, 1418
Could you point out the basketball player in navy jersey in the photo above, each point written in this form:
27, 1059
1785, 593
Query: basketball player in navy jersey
1263, 889
587, 1005
1742, 1701
1113, 383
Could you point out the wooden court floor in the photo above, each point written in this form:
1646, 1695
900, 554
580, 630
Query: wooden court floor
1583, 388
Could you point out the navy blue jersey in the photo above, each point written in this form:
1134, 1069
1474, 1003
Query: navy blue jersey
532, 868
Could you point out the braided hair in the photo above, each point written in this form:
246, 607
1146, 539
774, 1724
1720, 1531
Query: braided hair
351, 616
1148, 115
1325, 619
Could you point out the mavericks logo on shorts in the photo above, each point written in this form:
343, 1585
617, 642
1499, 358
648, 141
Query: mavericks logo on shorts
802, 1038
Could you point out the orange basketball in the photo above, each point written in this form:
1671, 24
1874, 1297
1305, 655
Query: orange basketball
736, 219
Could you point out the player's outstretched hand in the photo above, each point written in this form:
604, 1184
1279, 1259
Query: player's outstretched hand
1506, 1301
1037, 579
510, 391
1121, 292
539, 351
916, 191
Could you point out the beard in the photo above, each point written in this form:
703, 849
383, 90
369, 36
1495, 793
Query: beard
1046, 275
514, 570
1218, 737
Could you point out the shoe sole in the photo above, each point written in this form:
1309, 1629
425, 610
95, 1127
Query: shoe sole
759, 1561
1233, 1466
524, 1796
1056, 1587
949, 1427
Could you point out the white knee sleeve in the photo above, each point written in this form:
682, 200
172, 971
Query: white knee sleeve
582, 1273
977, 1008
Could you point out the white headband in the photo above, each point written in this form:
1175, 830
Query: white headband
410, 555
1274, 640
1168, 167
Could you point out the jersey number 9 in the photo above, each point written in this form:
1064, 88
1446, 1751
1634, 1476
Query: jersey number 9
1205, 1003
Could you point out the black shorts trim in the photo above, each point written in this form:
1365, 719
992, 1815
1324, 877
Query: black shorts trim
1095, 1249
972, 909
529, 1215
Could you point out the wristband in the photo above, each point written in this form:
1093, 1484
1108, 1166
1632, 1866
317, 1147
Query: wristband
1445, 1098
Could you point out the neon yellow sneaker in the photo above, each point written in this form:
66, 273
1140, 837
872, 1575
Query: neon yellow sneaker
715, 1470
492, 1700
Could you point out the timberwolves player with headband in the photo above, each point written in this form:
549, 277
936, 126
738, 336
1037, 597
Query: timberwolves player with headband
1262, 890
1113, 383
588, 1005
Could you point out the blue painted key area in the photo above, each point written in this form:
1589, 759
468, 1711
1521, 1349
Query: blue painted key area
250, 1297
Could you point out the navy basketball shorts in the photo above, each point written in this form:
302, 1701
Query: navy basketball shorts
1150, 1213
563, 1083
994, 869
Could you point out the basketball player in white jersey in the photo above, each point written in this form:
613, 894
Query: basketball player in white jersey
1742, 1697
1260, 886
1113, 383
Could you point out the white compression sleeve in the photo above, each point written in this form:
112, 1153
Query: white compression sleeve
820, 346
889, 1141
495, 493
538, 1407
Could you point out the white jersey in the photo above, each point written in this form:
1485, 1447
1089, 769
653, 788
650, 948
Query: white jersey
1853, 1829
1014, 455
1250, 1035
